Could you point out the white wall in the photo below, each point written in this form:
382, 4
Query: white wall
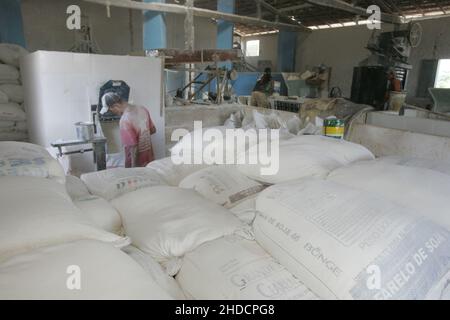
205, 32
45, 26
268, 48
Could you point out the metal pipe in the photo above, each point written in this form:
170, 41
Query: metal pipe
198, 12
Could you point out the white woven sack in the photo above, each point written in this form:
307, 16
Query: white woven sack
172, 173
26, 159
8, 73
51, 273
166, 222
11, 53
156, 272
304, 156
38, 212
114, 182
224, 185
13, 91
344, 243
422, 190
237, 269
11, 111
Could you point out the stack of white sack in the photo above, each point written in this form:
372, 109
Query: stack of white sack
111, 183
228, 187
38, 212
77, 270
441, 166
13, 125
299, 157
173, 173
156, 272
98, 210
49, 249
167, 222
269, 120
345, 243
222, 145
424, 191
234, 268
26, 159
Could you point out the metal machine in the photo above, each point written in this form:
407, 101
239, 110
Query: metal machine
216, 77
389, 52
90, 133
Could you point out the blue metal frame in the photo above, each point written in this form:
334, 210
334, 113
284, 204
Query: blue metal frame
154, 29
11, 23
287, 47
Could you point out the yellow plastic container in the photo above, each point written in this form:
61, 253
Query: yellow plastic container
334, 128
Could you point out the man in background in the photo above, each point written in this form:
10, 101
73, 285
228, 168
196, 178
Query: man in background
262, 90
136, 127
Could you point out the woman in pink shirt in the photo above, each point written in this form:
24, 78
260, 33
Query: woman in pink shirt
136, 126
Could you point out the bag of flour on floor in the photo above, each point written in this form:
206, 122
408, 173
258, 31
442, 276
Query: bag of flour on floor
97, 209
234, 268
106, 273
114, 182
156, 272
217, 145
13, 91
435, 165
11, 54
294, 124
260, 120
38, 212
7, 124
167, 222
13, 136
8, 73
3, 98
173, 173
345, 152
11, 111
422, 190
10, 82
344, 243
234, 121
13, 130
301, 156
245, 210
76, 188
224, 185
192, 145
26, 159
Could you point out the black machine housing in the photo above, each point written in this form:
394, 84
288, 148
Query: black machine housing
389, 52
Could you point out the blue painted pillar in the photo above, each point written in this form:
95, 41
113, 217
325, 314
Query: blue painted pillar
154, 32
287, 45
225, 28
11, 25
